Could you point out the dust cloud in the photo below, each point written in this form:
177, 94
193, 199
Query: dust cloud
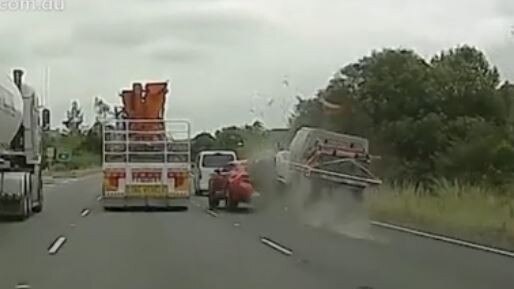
315, 203
335, 208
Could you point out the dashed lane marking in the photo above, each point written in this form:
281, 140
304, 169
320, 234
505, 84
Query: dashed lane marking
212, 213
85, 212
276, 246
56, 245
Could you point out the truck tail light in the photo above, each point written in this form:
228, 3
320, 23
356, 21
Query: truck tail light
180, 178
112, 179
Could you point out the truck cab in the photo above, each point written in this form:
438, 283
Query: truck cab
22, 122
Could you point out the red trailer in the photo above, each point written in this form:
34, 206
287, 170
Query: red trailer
230, 183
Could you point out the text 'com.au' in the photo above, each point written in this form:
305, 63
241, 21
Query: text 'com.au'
31, 5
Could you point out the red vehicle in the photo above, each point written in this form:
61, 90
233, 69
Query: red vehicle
230, 183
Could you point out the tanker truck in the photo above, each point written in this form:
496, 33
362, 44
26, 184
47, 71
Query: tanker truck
21, 124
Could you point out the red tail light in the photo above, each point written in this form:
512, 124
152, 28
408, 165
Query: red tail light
111, 179
180, 177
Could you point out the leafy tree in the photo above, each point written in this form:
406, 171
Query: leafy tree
74, 118
465, 84
202, 141
102, 109
448, 117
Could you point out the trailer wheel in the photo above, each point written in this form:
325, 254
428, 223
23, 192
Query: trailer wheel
213, 202
231, 205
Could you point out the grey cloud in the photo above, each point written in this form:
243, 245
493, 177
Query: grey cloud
233, 48
52, 47
175, 55
506, 8
197, 28
502, 56
116, 34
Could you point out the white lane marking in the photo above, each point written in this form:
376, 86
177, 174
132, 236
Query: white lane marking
57, 245
85, 212
276, 246
99, 198
444, 239
212, 213
22, 286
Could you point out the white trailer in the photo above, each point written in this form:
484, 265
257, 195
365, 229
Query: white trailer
145, 172
319, 154
21, 128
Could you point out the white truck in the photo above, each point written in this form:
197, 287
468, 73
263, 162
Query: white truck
146, 159
22, 121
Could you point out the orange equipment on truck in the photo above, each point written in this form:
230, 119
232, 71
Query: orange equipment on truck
146, 158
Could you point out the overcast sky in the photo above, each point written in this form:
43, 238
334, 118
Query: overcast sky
225, 58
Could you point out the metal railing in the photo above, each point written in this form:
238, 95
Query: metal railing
146, 141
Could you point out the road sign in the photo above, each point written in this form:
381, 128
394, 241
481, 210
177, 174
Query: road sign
50, 153
64, 156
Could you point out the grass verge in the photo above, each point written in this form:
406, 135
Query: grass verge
464, 212
72, 173
79, 165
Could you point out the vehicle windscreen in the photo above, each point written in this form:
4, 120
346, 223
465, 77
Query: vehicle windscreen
216, 161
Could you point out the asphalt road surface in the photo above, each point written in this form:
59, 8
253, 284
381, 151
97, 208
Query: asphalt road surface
198, 249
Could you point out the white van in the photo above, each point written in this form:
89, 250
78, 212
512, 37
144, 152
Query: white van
205, 164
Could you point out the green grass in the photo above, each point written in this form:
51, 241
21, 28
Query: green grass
467, 212
79, 161
81, 157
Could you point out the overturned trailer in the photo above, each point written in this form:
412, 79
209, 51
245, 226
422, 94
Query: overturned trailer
326, 157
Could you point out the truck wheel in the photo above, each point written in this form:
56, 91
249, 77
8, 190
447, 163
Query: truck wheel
39, 207
29, 207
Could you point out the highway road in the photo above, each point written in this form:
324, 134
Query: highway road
199, 249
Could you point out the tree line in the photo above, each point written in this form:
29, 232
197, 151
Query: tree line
447, 117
